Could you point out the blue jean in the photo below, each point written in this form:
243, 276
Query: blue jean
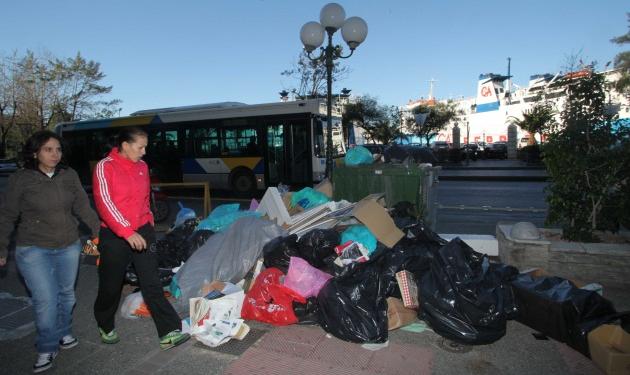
50, 276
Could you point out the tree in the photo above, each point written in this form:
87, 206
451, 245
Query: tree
437, 118
362, 112
388, 129
380, 123
622, 62
588, 161
39, 92
311, 76
8, 101
78, 89
538, 119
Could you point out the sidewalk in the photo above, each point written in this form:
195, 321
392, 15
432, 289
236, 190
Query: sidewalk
286, 350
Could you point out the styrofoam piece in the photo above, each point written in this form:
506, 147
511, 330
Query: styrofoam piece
272, 206
481, 243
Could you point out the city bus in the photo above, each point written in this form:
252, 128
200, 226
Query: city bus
233, 146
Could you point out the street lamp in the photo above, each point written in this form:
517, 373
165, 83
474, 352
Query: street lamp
467, 142
332, 17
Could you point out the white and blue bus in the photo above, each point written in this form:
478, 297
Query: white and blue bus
233, 146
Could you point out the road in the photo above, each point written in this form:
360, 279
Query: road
481, 204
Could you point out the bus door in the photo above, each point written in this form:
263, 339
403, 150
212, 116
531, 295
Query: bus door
288, 154
163, 156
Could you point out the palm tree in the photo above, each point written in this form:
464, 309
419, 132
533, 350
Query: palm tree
538, 119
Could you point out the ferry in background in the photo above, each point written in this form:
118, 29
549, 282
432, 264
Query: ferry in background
487, 116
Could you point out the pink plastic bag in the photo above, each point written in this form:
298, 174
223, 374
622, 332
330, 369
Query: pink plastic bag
305, 279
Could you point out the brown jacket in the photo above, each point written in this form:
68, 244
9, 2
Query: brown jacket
45, 210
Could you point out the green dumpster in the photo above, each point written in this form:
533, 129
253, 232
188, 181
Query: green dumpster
411, 183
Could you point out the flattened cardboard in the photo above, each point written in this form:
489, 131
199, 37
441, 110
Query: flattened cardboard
325, 187
541, 272
398, 315
609, 346
378, 221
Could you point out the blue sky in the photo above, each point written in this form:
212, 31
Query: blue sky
168, 53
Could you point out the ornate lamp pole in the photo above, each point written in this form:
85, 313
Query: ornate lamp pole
332, 17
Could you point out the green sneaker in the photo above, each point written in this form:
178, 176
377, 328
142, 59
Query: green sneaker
172, 339
109, 338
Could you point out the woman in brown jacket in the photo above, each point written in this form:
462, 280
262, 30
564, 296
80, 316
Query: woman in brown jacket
42, 203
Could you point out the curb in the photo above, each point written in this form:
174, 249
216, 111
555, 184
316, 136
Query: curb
494, 178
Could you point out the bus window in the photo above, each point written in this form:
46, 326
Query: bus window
236, 141
202, 142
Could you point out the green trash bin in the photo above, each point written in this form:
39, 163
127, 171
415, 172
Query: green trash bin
411, 183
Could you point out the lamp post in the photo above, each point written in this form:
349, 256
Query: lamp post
467, 142
332, 17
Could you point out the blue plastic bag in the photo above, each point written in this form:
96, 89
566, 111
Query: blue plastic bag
223, 216
183, 214
358, 155
308, 198
360, 234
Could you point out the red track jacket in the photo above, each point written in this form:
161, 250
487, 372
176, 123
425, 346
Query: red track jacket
121, 192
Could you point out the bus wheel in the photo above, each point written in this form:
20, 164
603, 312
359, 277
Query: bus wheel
243, 182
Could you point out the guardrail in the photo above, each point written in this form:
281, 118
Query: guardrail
204, 185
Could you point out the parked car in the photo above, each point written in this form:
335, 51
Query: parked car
523, 142
420, 154
439, 145
496, 150
375, 148
8, 165
470, 150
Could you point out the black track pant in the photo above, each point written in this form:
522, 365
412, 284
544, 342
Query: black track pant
116, 254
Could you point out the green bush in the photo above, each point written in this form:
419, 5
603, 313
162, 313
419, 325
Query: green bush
588, 161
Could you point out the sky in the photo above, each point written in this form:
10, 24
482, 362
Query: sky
158, 53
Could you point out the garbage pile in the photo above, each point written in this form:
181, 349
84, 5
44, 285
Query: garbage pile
357, 270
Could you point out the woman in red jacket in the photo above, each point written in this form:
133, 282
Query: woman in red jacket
121, 192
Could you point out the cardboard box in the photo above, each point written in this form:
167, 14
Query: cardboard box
325, 187
408, 289
541, 272
378, 221
609, 346
398, 315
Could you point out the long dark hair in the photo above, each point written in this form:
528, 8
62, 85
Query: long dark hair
34, 143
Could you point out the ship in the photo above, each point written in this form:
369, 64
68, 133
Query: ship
485, 117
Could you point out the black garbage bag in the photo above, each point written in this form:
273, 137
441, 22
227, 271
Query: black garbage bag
560, 310
307, 313
353, 307
278, 252
131, 278
464, 297
318, 245
173, 249
176, 247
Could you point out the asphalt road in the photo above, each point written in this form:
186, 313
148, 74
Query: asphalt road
474, 207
